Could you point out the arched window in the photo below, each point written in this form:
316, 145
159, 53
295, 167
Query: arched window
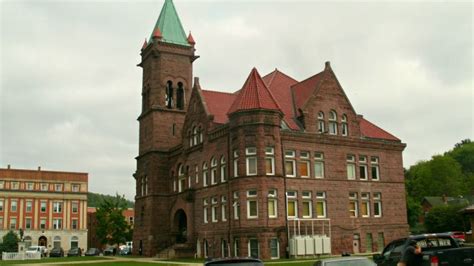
213, 171
345, 128
205, 175
321, 128
200, 134
223, 169
74, 242
195, 136
190, 138
169, 94
332, 122
57, 242
180, 96
181, 178
27, 240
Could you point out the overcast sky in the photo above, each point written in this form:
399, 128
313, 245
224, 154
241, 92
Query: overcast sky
70, 87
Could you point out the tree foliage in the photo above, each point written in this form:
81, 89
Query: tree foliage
95, 199
10, 242
112, 228
446, 218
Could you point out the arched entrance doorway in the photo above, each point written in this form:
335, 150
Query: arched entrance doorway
180, 224
42, 241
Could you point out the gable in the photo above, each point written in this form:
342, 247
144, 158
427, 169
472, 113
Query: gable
197, 113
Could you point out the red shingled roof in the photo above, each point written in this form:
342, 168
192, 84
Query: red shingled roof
218, 103
370, 130
279, 84
303, 90
254, 95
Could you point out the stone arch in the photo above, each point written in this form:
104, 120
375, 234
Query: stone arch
180, 226
42, 241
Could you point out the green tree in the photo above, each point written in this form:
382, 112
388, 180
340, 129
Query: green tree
446, 218
414, 211
10, 242
112, 227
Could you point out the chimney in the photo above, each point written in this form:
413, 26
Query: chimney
327, 65
39, 168
8, 166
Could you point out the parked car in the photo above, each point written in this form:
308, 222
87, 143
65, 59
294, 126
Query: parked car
125, 251
233, 261
92, 252
437, 249
38, 249
109, 251
56, 252
345, 261
459, 236
73, 252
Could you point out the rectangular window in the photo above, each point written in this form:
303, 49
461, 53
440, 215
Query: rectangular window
43, 206
75, 207
320, 204
363, 167
204, 203
236, 206
1, 206
350, 167
2, 184
332, 128
253, 248
375, 171
57, 224
224, 208
223, 170
236, 163
272, 203
251, 160
369, 243
29, 206
377, 204
1, 222
274, 248
214, 210
43, 223
269, 161
365, 207
292, 204
380, 241
213, 171
290, 163
58, 187
74, 224
13, 223
15, 185
29, 186
181, 184
196, 173
13, 205
236, 247
353, 204
76, 187
205, 175
44, 186
252, 206
307, 204
319, 165
304, 165
57, 207
28, 223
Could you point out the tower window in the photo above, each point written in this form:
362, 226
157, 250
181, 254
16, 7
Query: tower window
332, 122
321, 122
169, 95
180, 96
344, 127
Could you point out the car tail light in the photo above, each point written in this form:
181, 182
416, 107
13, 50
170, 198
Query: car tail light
434, 261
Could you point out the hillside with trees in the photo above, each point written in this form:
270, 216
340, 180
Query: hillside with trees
96, 199
449, 175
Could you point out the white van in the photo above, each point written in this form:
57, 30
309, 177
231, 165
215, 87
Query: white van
37, 249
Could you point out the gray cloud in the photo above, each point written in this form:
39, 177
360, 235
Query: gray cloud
70, 88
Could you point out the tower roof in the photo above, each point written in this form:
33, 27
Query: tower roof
254, 95
169, 25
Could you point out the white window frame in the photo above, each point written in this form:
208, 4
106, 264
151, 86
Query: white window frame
2, 184
277, 248
306, 196
332, 122
251, 156
236, 205
213, 171
377, 196
205, 174
252, 199
28, 223
236, 163
223, 208
74, 224
272, 197
43, 223
270, 157
30, 186
365, 198
44, 186
290, 156
29, 206
344, 126
321, 124
223, 170
13, 223
321, 198
196, 173
363, 168
57, 207
374, 164
350, 166
58, 187
45, 206
14, 205
249, 247
57, 223
319, 160
292, 196
74, 207
214, 210
76, 187
354, 213
205, 203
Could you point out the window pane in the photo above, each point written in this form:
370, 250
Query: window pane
289, 168
271, 208
375, 172
252, 208
292, 208
364, 209
252, 165
306, 209
320, 209
303, 169
269, 166
351, 171
319, 169
274, 248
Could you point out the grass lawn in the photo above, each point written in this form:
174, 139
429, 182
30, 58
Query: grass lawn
121, 263
46, 260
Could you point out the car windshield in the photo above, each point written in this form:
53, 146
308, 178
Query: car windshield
350, 263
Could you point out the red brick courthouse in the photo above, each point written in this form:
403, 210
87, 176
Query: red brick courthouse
278, 168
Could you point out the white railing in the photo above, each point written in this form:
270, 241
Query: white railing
21, 256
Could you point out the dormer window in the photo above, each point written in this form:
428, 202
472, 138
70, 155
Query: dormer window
332, 122
321, 122
344, 127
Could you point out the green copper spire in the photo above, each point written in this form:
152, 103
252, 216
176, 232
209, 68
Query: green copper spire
170, 26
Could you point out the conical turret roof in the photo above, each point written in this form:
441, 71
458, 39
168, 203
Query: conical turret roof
169, 25
254, 95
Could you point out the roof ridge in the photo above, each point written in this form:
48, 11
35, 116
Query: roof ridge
224, 92
308, 78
